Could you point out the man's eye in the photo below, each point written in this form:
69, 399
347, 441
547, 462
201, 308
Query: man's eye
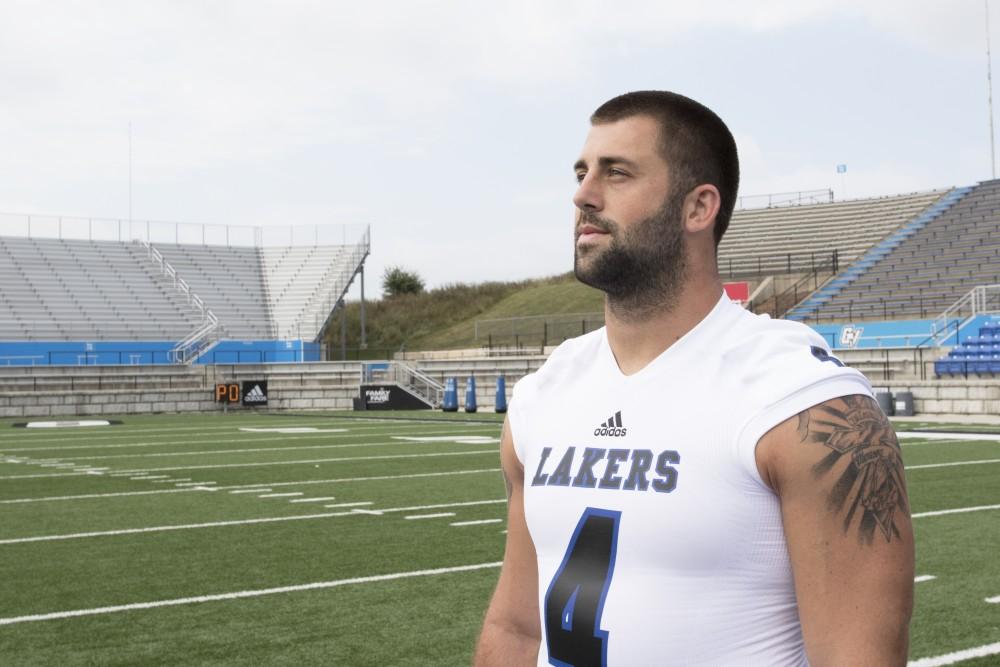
580, 175
616, 172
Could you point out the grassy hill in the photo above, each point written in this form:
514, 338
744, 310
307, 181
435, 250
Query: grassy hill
445, 318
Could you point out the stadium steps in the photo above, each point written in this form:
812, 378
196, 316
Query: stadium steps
759, 241
875, 255
930, 270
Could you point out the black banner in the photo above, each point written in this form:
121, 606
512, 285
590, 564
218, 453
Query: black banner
389, 397
255, 393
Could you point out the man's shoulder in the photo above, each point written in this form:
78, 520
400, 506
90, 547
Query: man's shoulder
775, 357
758, 335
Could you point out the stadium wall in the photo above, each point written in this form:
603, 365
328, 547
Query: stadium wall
949, 397
121, 390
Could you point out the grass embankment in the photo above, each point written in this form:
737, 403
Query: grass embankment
445, 318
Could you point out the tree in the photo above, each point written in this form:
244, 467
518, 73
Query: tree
397, 280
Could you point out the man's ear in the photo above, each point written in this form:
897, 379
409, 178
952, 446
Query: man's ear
701, 206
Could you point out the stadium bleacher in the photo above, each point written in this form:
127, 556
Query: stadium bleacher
850, 227
930, 270
56, 289
976, 355
64, 289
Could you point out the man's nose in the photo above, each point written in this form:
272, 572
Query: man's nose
588, 195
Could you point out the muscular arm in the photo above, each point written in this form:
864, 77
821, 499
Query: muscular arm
838, 471
511, 631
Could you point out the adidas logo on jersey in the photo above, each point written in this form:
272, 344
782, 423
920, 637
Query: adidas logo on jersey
613, 427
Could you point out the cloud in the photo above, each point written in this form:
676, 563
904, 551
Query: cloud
258, 112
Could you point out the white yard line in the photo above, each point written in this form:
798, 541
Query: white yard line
247, 488
441, 440
439, 515
993, 600
193, 483
93, 495
924, 443
244, 440
470, 503
924, 577
958, 510
350, 504
938, 435
955, 463
375, 478
139, 432
385, 457
130, 431
159, 529
313, 500
957, 656
245, 594
475, 523
286, 494
241, 522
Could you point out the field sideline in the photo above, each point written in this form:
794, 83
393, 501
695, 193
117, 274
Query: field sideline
342, 539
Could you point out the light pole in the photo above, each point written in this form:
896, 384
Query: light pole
989, 89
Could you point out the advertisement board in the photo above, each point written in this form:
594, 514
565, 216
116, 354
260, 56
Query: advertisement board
254, 393
389, 397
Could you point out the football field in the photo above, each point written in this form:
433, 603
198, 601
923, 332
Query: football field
346, 540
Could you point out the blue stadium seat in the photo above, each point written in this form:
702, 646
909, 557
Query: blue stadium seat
949, 367
995, 364
981, 365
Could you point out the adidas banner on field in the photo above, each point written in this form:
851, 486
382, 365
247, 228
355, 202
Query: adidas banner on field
255, 393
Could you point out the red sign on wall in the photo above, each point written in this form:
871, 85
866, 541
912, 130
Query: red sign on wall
739, 291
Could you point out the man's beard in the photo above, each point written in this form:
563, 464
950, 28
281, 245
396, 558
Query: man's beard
643, 268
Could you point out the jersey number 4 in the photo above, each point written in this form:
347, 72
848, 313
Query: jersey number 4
575, 598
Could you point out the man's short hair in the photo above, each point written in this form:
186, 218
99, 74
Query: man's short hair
697, 145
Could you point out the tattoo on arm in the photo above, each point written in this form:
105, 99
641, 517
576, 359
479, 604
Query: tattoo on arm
872, 487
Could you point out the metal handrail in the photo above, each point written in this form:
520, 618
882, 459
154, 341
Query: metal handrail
322, 309
980, 300
187, 349
417, 382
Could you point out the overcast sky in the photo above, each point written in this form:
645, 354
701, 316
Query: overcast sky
451, 127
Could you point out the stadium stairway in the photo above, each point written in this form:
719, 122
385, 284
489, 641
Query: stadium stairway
832, 288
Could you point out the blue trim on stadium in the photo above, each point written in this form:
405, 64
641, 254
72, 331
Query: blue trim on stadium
875, 255
155, 352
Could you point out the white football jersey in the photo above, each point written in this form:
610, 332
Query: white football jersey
657, 541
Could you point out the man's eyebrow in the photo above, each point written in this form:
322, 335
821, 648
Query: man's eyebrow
606, 162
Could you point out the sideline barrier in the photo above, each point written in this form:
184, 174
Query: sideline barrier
470, 394
501, 400
449, 402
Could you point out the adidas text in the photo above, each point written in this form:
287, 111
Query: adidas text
612, 427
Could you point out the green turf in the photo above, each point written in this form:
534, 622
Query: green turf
430, 620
